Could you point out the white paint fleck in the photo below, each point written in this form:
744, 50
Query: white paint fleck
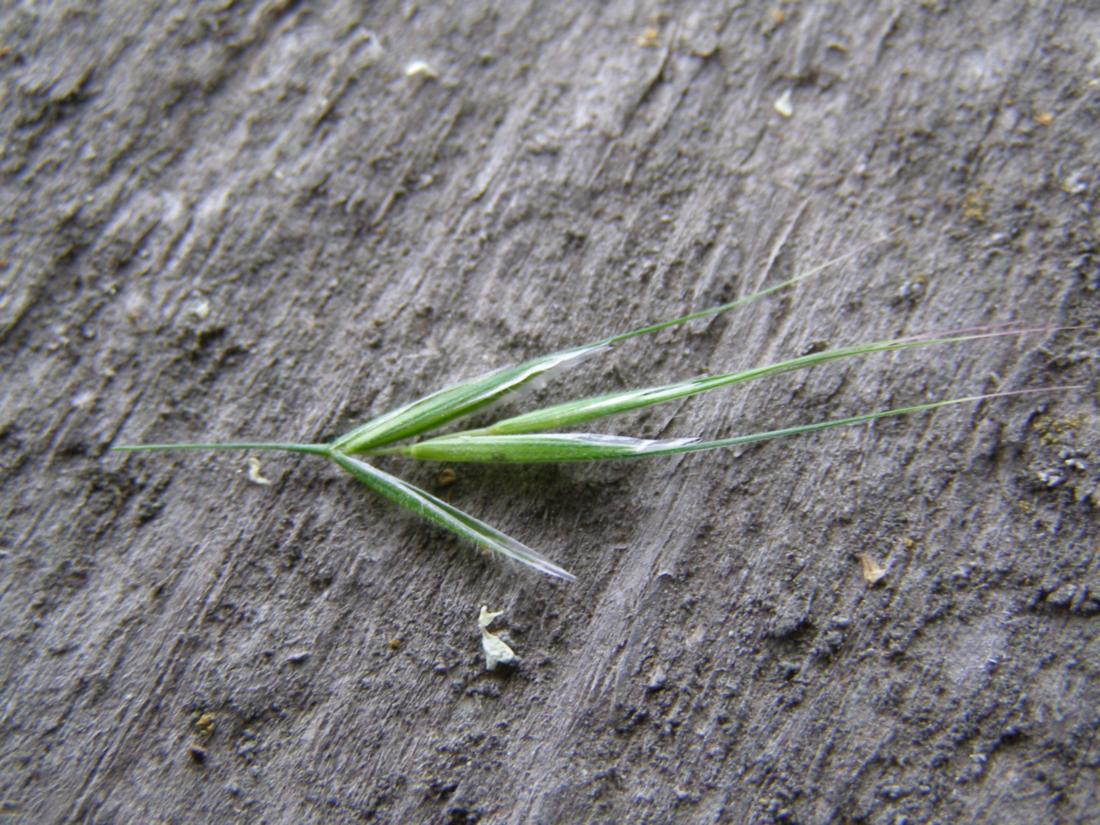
199, 309
254, 474
421, 68
83, 400
496, 650
783, 104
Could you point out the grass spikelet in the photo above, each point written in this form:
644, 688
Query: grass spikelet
525, 438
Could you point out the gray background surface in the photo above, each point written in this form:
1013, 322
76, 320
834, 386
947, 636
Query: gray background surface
224, 220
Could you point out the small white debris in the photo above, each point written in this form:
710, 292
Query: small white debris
83, 400
254, 472
783, 104
1051, 478
650, 38
657, 680
421, 68
1076, 184
872, 570
199, 309
911, 290
496, 651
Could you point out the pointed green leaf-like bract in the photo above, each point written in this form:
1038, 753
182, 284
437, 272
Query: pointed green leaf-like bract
572, 413
537, 448
435, 510
456, 401
560, 447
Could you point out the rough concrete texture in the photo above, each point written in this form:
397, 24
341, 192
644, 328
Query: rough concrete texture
229, 219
